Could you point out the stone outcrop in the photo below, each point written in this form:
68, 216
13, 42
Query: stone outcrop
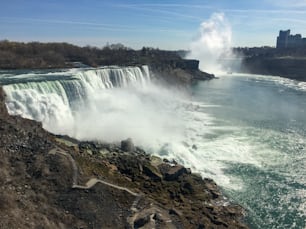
178, 76
127, 145
169, 193
289, 67
171, 173
49, 181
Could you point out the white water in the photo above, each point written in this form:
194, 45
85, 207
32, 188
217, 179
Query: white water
112, 104
57, 103
116, 103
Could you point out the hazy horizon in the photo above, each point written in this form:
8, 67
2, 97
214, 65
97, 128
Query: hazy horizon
169, 25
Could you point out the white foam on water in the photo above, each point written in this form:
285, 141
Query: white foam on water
290, 83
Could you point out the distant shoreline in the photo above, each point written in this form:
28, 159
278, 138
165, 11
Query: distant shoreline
288, 62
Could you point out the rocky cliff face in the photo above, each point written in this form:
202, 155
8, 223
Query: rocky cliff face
49, 181
289, 67
178, 72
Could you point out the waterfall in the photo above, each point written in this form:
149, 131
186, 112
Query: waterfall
114, 77
55, 101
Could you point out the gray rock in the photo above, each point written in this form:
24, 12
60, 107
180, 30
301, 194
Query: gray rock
142, 221
127, 145
172, 173
152, 172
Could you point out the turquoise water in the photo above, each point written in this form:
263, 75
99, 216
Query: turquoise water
268, 116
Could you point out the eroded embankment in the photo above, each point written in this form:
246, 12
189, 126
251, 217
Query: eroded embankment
55, 182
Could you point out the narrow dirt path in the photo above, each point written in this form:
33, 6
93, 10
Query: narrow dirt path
91, 182
136, 214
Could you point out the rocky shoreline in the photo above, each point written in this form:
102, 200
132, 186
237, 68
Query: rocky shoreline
49, 181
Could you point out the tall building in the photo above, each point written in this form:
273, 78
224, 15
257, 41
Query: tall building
286, 40
282, 39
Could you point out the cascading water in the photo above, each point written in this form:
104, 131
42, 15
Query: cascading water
114, 77
55, 101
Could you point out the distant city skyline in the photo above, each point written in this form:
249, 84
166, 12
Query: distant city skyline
287, 40
166, 24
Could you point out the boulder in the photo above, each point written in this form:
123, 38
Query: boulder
172, 173
127, 145
152, 172
142, 221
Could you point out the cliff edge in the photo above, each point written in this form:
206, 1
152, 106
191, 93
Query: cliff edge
165, 66
49, 181
289, 67
284, 62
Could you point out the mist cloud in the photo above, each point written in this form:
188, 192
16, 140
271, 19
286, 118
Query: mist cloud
214, 39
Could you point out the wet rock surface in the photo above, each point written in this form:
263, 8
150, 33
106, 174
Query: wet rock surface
49, 181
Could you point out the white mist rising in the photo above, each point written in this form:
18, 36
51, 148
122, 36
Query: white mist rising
106, 104
146, 114
112, 104
212, 43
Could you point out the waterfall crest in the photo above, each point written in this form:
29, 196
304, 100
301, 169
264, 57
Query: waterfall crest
53, 102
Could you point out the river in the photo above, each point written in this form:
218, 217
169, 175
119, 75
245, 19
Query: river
260, 128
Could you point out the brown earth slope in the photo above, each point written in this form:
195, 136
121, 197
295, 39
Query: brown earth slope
48, 181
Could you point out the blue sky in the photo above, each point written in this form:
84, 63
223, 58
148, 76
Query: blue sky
166, 24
